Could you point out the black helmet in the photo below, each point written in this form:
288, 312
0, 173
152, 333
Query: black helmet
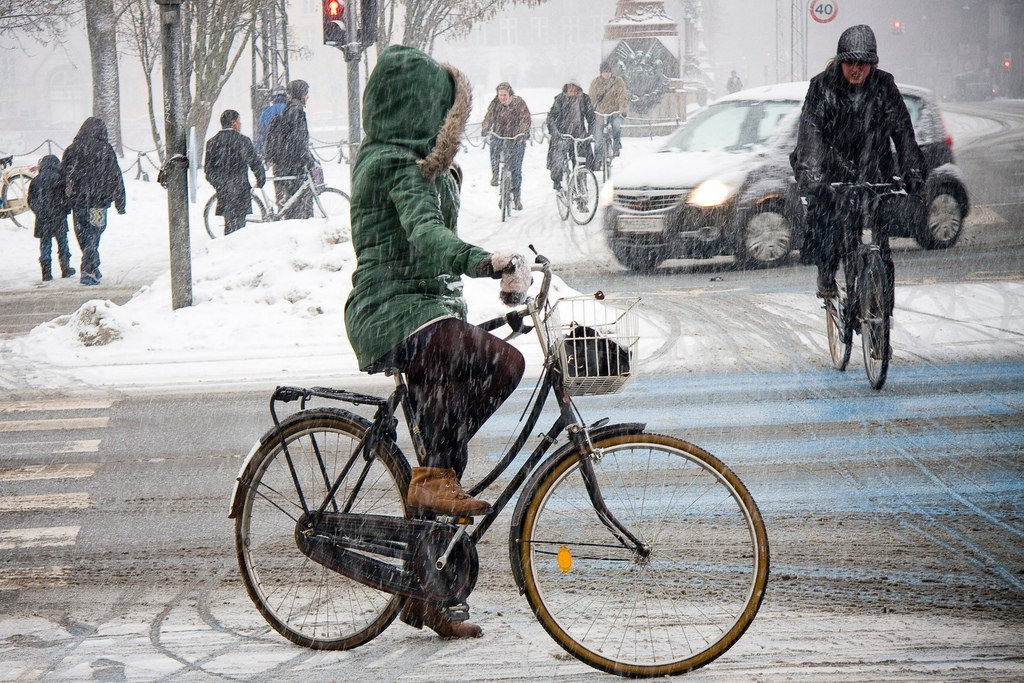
857, 44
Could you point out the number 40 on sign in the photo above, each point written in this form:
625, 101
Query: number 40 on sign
824, 11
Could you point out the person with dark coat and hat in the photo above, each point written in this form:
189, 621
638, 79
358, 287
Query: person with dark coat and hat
287, 148
853, 118
572, 113
508, 116
406, 310
229, 158
48, 202
92, 182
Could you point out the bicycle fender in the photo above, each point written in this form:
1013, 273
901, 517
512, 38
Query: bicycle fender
236, 499
533, 482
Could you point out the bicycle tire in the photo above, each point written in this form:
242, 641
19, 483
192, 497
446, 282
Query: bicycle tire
305, 602
334, 203
15, 194
215, 224
562, 200
876, 320
505, 195
840, 335
633, 616
583, 193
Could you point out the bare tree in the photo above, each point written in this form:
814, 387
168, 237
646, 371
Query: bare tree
427, 20
101, 26
140, 22
36, 16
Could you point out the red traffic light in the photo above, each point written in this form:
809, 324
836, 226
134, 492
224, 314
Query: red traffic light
897, 26
333, 9
1007, 64
335, 31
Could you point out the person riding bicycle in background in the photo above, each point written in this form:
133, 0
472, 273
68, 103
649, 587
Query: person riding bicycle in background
609, 95
406, 309
851, 118
572, 113
508, 116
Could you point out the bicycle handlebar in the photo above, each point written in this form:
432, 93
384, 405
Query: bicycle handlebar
492, 134
576, 139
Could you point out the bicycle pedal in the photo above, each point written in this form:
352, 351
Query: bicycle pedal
459, 612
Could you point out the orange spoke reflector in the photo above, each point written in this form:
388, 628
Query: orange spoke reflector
564, 559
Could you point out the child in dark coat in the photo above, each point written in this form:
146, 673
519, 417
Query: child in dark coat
47, 200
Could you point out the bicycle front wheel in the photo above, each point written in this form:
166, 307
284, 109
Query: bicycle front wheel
331, 205
583, 193
302, 600
660, 613
505, 195
215, 224
876, 320
15, 199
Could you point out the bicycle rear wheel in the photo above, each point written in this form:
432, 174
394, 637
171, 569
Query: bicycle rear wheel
876, 319
215, 224
302, 600
671, 611
15, 199
840, 335
583, 193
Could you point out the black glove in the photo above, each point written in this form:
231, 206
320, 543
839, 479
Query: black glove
914, 184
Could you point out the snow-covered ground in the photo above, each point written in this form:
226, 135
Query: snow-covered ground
268, 300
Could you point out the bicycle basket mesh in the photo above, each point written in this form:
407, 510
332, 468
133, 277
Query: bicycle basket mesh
596, 341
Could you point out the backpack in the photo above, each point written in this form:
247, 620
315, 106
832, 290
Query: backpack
274, 146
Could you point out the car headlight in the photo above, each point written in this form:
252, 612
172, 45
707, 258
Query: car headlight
713, 192
607, 194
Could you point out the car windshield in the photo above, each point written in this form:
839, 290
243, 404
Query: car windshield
730, 126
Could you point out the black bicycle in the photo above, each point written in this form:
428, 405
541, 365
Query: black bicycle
505, 195
577, 197
863, 301
640, 554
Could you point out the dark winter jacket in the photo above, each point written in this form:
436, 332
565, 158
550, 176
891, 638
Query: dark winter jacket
845, 130
405, 203
507, 120
289, 153
229, 157
572, 116
47, 200
89, 166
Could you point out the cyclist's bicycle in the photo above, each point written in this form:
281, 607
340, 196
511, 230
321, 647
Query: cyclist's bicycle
577, 197
864, 294
329, 203
640, 554
505, 194
607, 147
14, 190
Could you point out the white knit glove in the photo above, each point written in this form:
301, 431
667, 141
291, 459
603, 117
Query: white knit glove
515, 276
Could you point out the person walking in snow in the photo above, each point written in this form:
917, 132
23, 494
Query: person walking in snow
48, 202
406, 310
229, 158
92, 182
508, 116
734, 84
287, 148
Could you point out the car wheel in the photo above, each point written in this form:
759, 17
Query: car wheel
767, 238
637, 257
944, 220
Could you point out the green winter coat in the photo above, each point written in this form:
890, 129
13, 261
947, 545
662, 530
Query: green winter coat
405, 204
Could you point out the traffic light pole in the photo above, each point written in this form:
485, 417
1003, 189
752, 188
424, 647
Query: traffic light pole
175, 170
354, 105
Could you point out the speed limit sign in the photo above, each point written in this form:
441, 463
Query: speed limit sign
824, 11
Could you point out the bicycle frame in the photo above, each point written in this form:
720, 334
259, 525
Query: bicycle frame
275, 211
384, 420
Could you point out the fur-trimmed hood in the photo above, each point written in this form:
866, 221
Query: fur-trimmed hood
414, 102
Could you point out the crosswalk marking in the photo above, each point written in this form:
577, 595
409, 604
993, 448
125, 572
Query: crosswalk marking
52, 501
55, 404
33, 577
78, 446
58, 424
42, 537
60, 471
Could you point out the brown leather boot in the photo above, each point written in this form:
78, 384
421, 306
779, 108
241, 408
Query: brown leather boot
418, 613
437, 489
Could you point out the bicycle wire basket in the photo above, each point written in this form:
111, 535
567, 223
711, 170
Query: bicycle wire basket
595, 338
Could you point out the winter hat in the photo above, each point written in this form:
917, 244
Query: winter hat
279, 94
298, 89
606, 66
857, 44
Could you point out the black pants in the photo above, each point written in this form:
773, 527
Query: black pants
303, 206
515, 151
834, 227
63, 253
89, 226
458, 376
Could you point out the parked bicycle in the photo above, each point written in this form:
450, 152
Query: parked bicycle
329, 203
506, 199
14, 182
864, 295
640, 554
606, 151
577, 197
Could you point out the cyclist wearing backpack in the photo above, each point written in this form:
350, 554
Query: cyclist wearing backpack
287, 148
